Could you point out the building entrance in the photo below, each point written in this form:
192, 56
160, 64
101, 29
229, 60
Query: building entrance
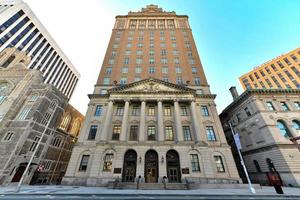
173, 166
129, 166
151, 166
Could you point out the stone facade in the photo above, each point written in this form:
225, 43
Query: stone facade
26, 107
265, 121
122, 144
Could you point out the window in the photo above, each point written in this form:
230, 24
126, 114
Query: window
24, 112
123, 80
163, 52
169, 133
284, 131
108, 70
138, 69
135, 111
184, 111
178, 70
187, 133
247, 112
195, 163
139, 52
284, 106
93, 131
32, 98
151, 133
204, 111
270, 105
219, 164
165, 78
176, 61
124, 70
103, 92
163, 44
137, 78
139, 61
151, 70
140, 45
191, 61
167, 111
107, 165
164, 60
238, 117
8, 136
151, 52
98, 111
56, 141
106, 81
164, 70
151, 111
84, 162
174, 44
296, 125
129, 45
175, 52
197, 81
120, 111
127, 53
194, 70
34, 144
210, 133
116, 132
111, 61
257, 167
133, 133
179, 80
126, 61
297, 105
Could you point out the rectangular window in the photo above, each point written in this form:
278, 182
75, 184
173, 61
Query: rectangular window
164, 60
163, 52
106, 81
128, 53
219, 164
194, 70
108, 70
84, 162
151, 70
178, 70
123, 80
195, 163
187, 133
124, 70
151, 52
126, 61
116, 132
247, 112
93, 132
138, 70
284, 106
169, 133
135, 111
151, 111
176, 61
24, 112
210, 133
107, 165
197, 81
179, 80
133, 133
167, 111
204, 111
98, 111
111, 61
151, 133
164, 70
165, 78
8, 136
139, 52
184, 111
34, 144
120, 111
151, 61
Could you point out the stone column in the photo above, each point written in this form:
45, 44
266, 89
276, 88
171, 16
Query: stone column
142, 121
195, 122
160, 124
178, 126
108, 116
124, 121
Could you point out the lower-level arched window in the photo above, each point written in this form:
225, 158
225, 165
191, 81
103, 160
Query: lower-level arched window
284, 131
107, 166
296, 126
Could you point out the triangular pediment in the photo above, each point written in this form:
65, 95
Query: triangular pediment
151, 85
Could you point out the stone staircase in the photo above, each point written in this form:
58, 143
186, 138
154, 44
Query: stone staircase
148, 186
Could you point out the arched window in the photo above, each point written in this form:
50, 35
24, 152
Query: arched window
258, 169
270, 164
296, 126
284, 131
53, 104
3, 91
65, 122
75, 127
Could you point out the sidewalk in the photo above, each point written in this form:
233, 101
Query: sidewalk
64, 190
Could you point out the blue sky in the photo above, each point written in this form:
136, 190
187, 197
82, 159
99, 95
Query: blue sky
232, 36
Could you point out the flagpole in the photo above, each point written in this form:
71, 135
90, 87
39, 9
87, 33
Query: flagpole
251, 188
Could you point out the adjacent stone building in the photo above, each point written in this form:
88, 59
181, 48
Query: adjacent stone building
26, 108
266, 120
151, 116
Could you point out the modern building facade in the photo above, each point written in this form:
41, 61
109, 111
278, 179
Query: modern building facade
282, 72
151, 117
20, 28
266, 120
27, 106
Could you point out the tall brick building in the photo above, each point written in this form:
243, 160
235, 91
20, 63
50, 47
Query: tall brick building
151, 117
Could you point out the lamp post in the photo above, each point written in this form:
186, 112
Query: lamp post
251, 188
36, 148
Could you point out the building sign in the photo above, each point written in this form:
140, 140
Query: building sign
117, 170
185, 171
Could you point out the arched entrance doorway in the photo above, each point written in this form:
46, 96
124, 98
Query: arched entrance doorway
173, 166
151, 166
19, 172
129, 166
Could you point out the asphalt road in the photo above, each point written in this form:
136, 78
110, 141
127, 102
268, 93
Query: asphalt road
140, 196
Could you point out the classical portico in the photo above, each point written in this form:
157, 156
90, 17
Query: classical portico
154, 130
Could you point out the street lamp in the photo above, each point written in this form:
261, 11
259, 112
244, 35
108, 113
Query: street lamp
36, 148
234, 135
